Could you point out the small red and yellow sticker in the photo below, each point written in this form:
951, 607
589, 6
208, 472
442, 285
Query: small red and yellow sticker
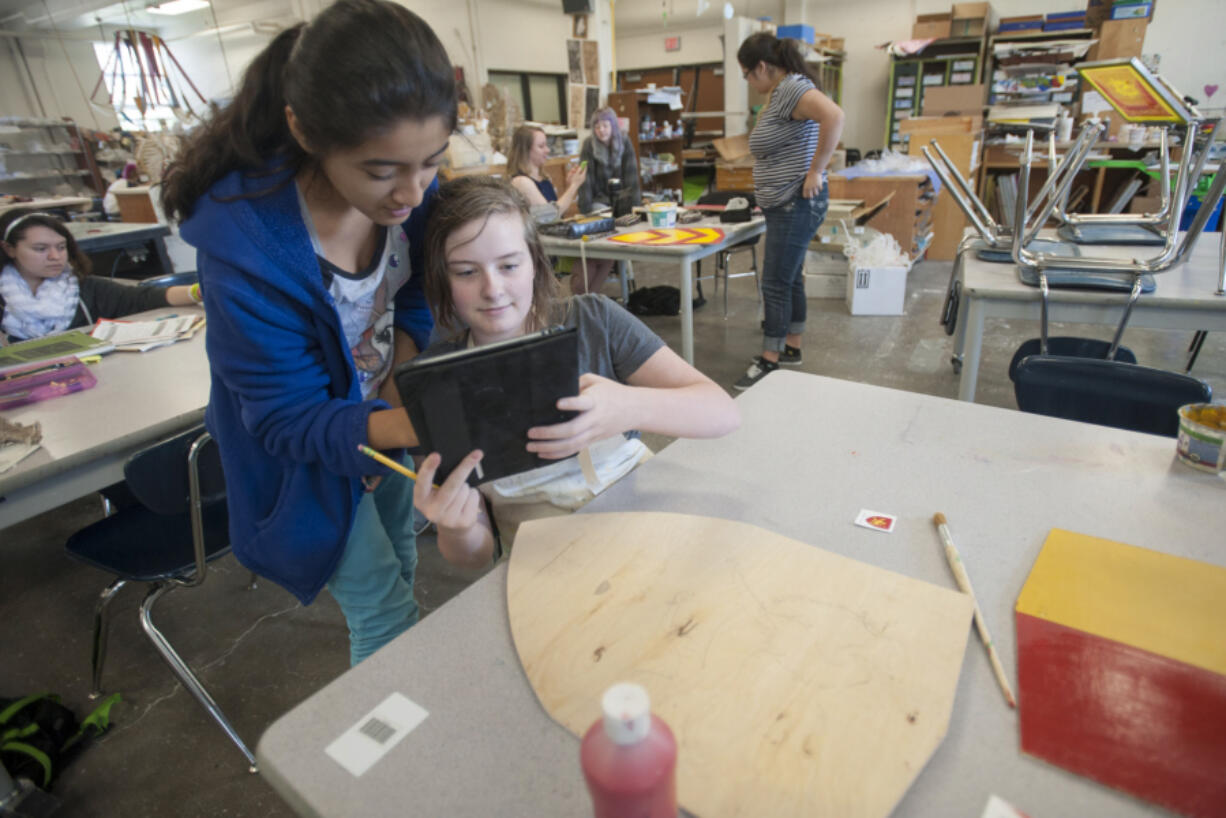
876, 520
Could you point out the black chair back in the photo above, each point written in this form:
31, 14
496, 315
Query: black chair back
1109, 393
1072, 347
158, 475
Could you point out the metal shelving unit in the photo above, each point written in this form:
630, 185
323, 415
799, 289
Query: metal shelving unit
46, 157
953, 61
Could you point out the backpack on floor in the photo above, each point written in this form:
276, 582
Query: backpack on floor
661, 300
38, 735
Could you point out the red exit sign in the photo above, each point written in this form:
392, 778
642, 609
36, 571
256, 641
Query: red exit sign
672, 43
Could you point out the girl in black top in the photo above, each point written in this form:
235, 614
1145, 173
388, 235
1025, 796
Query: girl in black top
529, 150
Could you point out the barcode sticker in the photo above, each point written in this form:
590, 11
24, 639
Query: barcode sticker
376, 733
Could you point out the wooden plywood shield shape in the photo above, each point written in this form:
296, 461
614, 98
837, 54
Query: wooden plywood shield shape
798, 682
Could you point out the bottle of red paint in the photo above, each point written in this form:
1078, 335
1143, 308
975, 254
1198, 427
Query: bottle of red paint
629, 758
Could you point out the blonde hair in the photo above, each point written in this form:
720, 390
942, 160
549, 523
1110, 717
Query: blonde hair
476, 198
521, 146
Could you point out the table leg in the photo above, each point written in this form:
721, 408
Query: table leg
687, 312
971, 323
960, 316
159, 244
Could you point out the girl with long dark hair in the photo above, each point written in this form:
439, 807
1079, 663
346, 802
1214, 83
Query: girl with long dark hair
792, 142
306, 199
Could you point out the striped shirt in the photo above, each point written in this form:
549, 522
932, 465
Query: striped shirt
782, 147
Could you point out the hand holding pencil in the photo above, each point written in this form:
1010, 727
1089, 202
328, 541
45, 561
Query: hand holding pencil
964, 582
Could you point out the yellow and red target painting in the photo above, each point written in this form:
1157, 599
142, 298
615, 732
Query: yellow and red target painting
661, 236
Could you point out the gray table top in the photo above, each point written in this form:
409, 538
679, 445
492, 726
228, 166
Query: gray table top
811, 453
140, 396
86, 232
1190, 284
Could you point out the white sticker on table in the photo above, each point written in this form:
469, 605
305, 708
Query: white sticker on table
376, 733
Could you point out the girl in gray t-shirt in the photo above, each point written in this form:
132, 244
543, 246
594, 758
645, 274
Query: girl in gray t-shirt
488, 279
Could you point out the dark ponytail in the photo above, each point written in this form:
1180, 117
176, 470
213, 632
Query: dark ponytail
359, 67
781, 53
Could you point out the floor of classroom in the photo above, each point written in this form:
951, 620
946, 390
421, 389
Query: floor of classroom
260, 653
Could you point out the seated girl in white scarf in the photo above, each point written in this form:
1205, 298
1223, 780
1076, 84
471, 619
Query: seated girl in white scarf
45, 286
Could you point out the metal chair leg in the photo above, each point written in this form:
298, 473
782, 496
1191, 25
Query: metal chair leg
185, 674
98, 655
253, 581
721, 264
757, 274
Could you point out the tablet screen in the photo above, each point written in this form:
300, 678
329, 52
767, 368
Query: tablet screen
488, 397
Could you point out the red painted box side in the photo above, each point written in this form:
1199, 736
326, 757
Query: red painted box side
1131, 719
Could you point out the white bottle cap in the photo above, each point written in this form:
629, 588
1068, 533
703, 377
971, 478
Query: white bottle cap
627, 713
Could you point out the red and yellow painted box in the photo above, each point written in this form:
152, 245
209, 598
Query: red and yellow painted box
1122, 669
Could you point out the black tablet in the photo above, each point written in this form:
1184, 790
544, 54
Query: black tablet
488, 397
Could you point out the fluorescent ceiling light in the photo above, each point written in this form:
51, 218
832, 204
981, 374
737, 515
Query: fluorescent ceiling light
177, 7
728, 10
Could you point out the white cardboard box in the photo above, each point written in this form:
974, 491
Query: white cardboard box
877, 290
825, 273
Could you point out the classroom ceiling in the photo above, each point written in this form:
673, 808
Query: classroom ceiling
632, 17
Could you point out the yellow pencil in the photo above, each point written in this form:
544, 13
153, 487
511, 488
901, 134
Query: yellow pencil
387, 461
964, 582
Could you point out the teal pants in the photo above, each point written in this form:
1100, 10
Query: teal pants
374, 581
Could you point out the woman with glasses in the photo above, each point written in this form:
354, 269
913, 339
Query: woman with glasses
795, 135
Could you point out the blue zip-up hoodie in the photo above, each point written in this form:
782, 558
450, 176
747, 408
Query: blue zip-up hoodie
285, 404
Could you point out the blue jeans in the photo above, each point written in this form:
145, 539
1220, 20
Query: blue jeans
373, 583
789, 228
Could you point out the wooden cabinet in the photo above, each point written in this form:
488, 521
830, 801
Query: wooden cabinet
659, 158
907, 217
959, 137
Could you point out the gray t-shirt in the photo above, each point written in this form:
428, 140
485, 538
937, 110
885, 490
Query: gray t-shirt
612, 342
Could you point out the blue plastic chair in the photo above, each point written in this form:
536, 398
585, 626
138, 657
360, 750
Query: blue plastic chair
1108, 393
166, 540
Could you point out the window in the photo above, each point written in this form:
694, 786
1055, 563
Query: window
128, 82
541, 97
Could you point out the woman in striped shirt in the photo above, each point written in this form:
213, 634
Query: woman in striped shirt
795, 135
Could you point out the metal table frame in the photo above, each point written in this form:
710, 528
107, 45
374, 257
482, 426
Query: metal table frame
1184, 299
681, 255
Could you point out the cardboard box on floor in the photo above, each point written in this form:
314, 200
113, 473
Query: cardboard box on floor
852, 213
826, 267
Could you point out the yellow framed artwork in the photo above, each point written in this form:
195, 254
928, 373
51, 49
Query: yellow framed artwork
1135, 92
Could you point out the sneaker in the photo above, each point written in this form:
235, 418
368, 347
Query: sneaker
758, 370
791, 356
